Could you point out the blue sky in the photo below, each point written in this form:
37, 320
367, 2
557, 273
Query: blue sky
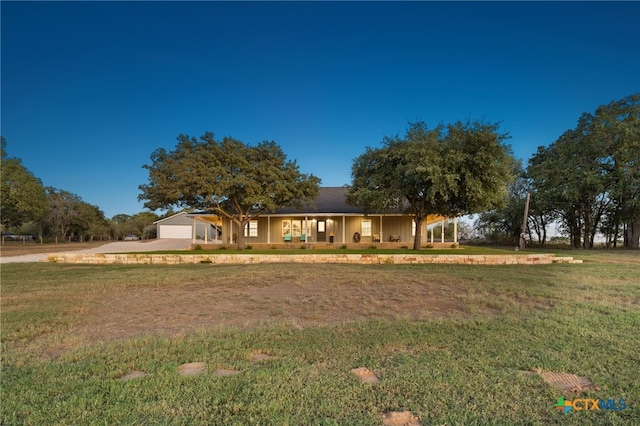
91, 89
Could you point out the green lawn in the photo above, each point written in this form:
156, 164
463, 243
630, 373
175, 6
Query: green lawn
465, 368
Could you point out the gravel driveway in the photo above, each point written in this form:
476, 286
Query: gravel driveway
116, 247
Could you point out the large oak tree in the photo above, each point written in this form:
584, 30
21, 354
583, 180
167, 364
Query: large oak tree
22, 194
590, 175
452, 170
235, 180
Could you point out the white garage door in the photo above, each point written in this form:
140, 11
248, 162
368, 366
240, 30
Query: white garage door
175, 231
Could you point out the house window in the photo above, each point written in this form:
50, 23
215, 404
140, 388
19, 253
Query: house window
366, 227
286, 227
296, 226
251, 229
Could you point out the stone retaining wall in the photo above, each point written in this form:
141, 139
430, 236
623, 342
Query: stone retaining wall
222, 259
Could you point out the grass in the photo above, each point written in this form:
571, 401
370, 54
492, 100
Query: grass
461, 364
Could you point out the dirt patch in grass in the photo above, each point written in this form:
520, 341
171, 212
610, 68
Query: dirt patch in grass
192, 369
169, 310
365, 375
568, 382
399, 418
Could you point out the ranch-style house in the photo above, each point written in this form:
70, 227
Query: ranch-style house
327, 220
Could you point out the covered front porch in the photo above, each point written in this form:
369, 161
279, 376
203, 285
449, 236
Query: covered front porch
323, 229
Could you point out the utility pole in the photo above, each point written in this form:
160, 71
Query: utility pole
523, 241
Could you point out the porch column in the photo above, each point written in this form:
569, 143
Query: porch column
442, 233
455, 229
344, 230
193, 231
268, 229
206, 232
431, 234
381, 239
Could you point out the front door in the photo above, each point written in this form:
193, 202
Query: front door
322, 230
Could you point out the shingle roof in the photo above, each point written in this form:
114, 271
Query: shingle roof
329, 200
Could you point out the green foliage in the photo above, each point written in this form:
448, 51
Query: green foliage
63, 210
140, 224
235, 180
23, 195
504, 225
460, 169
590, 176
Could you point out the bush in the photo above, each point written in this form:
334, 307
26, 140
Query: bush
150, 232
197, 247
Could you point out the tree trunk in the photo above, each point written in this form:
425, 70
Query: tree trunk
633, 234
418, 236
573, 222
586, 229
616, 232
240, 244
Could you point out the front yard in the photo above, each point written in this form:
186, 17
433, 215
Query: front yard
451, 344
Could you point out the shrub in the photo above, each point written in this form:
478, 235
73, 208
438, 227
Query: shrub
197, 247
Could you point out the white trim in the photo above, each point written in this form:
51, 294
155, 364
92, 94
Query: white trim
170, 217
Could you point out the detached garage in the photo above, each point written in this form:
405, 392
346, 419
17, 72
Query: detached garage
181, 226
174, 231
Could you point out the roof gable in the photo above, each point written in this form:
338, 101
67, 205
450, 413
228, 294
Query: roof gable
169, 217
